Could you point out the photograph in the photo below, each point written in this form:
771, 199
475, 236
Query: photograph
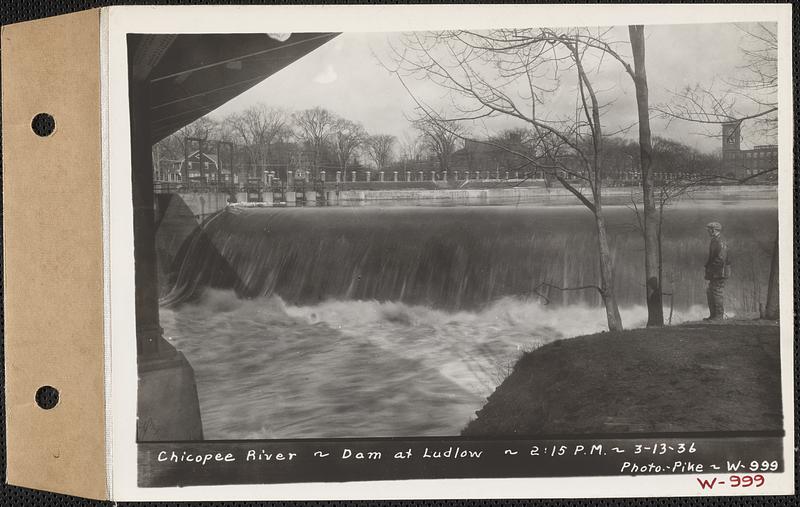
471, 240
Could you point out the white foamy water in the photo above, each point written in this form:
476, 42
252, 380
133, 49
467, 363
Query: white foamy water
266, 369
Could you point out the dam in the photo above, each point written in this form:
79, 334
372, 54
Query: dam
415, 308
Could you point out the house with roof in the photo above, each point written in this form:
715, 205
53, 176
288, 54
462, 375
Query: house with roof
199, 167
207, 169
167, 170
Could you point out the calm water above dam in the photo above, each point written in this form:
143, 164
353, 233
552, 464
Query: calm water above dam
399, 321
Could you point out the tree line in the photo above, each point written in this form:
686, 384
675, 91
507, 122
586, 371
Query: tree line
266, 138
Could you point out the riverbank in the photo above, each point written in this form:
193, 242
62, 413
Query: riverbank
497, 192
502, 192
692, 377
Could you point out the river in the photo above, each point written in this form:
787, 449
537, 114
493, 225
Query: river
399, 321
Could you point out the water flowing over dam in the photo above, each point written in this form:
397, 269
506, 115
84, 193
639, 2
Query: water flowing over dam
390, 321
461, 257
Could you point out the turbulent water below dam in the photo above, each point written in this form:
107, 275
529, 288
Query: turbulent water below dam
399, 321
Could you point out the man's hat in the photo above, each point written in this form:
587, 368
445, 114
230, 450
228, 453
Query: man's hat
714, 225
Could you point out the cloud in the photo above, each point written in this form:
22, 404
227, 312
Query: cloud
327, 76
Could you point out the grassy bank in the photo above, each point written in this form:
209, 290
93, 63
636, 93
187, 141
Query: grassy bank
693, 377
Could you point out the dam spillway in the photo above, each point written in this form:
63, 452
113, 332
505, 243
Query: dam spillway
414, 309
460, 257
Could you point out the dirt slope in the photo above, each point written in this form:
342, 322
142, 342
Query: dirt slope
694, 377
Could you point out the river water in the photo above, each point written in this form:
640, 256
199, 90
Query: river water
400, 321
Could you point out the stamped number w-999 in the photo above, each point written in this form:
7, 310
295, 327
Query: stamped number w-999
734, 481
745, 481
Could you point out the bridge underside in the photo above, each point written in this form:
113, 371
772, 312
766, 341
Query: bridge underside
174, 79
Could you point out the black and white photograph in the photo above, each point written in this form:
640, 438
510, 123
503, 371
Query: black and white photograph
545, 251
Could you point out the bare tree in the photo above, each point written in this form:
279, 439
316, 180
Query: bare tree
171, 148
759, 75
411, 146
683, 170
612, 49
412, 149
512, 141
511, 74
749, 98
256, 128
380, 149
179, 145
314, 127
439, 138
651, 226
348, 137
203, 128
751, 95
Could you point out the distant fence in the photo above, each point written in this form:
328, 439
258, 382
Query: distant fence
301, 185
173, 187
257, 187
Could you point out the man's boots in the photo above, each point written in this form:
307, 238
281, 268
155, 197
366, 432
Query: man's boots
716, 291
711, 304
716, 300
719, 308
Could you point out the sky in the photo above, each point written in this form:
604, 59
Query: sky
346, 76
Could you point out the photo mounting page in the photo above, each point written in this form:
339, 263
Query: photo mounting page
456, 246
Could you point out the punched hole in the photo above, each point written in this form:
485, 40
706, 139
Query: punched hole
43, 124
47, 397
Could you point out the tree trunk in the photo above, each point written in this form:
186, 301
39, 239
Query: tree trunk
596, 178
655, 310
219, 167
342, 161
315, 169
262, 162
606, 273
772, 310
185, 165
200, 159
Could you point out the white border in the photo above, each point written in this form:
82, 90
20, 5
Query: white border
233, 19
105, 158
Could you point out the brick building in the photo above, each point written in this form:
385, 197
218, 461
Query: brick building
739, 163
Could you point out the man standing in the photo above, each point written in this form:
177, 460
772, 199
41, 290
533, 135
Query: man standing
717, 270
